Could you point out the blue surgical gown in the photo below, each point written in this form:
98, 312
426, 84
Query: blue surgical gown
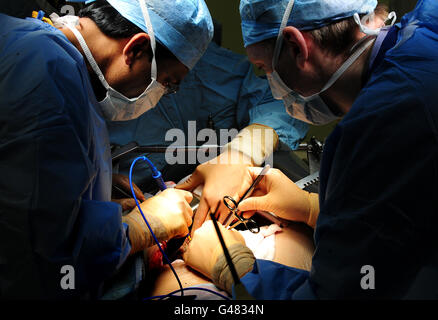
55, 170
221, 85
379, 184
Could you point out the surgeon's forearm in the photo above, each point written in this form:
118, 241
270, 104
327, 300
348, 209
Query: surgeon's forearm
256, 141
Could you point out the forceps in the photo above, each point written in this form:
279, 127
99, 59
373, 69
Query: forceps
232, 205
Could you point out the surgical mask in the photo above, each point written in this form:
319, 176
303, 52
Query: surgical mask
115, 106
312, 109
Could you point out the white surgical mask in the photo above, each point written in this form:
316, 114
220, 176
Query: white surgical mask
312, 109
278, 88
115, 106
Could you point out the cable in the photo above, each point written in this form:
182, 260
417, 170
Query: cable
162, 297
201, 289
157, 176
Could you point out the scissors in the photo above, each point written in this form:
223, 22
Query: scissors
232, 205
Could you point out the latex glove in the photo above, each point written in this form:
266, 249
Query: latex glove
122, 182
227, 175
218, 180
205, 254
276, 193
169, 215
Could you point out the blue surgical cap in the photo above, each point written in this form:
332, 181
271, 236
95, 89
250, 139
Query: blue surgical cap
184, 27
261, 19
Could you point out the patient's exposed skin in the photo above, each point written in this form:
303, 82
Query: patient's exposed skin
293, 247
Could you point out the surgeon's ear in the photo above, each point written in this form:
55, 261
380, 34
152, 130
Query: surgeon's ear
296, 41
137, 47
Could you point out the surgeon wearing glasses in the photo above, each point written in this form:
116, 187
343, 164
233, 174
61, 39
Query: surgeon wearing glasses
58, 85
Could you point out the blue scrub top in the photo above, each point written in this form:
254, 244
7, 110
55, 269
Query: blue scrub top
55, 169
379, 184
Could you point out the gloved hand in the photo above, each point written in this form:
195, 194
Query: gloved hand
227, 175
205, 254
218, 180
276, 193
169, 215
122, 182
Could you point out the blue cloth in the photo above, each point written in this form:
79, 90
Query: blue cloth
222, 85
379, 178
261, 19
55, 189
273, 281
185, 27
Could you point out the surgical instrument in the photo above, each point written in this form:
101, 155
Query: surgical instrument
134, 147
239, 288
233, 205
308, 181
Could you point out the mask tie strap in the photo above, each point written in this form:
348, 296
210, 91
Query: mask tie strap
88, 55
347, 64
279, 42
363, 28
151, 33
392, 15
371, 32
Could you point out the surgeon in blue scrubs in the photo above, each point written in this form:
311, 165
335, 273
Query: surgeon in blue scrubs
375, 216
221, 92
61, 236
